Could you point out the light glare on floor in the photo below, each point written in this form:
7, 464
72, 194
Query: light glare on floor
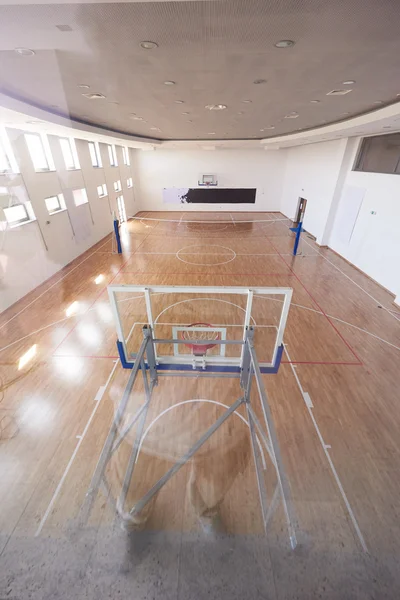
71, 310
99, 279
25, 358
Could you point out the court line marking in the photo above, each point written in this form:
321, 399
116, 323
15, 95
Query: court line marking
352, 280
94, 301
321, 309
208, 221
162, 413
326, 448
197, 300
221, 274
205, 264
49, 288
75, 452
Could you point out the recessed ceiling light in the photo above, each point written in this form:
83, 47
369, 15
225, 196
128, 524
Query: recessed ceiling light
284, 44
155, 128
270, 127
95, 96
215, 106
387, 127
136, 118
211, 133
185, 113
247, 101
169, 82
378, 102
346, 113
348, 82
179, 101
24, 51
338, 92
240, 112
259, 81
83, 86
148, 45
315, 101
292, 115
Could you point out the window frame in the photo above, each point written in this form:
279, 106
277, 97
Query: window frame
29, 214
117, 186
129, 183
86, 201
125, 156
103, 186
96, 154
8, 153
73, 154
367, 145
45, 147
61, 203
112, 155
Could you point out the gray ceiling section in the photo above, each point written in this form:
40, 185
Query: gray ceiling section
213, 51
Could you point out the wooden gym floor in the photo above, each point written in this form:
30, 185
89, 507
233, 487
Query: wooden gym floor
335, 403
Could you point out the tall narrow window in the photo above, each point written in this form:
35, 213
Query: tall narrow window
121, 209
125, 154
117, 186
112, 155
95, 156
102, 190
8, 164
39, 150
70, 154
80, 197
129, 182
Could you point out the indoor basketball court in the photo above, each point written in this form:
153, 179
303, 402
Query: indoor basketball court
175, 439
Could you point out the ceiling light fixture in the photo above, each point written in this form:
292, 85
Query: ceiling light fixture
240, 112
95, 96
378, 102
348, 82
284, 44
155, 128
211, 133
215, 106
338, 92
259, 81
292, 115
136, 118
179, 101
315, 101
270, 127
24, 51
247, 101
83, 86
186, 113
169, 82
148, 45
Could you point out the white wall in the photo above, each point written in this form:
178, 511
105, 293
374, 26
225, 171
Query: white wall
312, 172
33, 252
374, 246
234, 168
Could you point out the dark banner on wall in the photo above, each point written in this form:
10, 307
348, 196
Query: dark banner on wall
209, 195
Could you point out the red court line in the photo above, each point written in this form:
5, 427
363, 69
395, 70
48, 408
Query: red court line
95, 300
321, 309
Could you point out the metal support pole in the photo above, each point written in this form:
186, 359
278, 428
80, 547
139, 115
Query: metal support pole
184, 459
108, 445
283, 484
259, 474
151, 354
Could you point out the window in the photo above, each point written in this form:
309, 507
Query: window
70, 154
121, 209
18, 214
55, 204
129, 182
379, 154
80, 197
39, 149
102, 190
8, 164
117, 186
95, 156
125, 155
112, 155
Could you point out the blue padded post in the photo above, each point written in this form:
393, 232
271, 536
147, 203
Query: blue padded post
117, 237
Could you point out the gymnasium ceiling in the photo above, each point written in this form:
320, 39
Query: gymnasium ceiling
214, 51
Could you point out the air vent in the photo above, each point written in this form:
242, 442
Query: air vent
338, 92
64, 27
94, 96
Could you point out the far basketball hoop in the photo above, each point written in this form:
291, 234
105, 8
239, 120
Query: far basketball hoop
208, 180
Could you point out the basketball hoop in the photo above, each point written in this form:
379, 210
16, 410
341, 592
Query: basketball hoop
192, 334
